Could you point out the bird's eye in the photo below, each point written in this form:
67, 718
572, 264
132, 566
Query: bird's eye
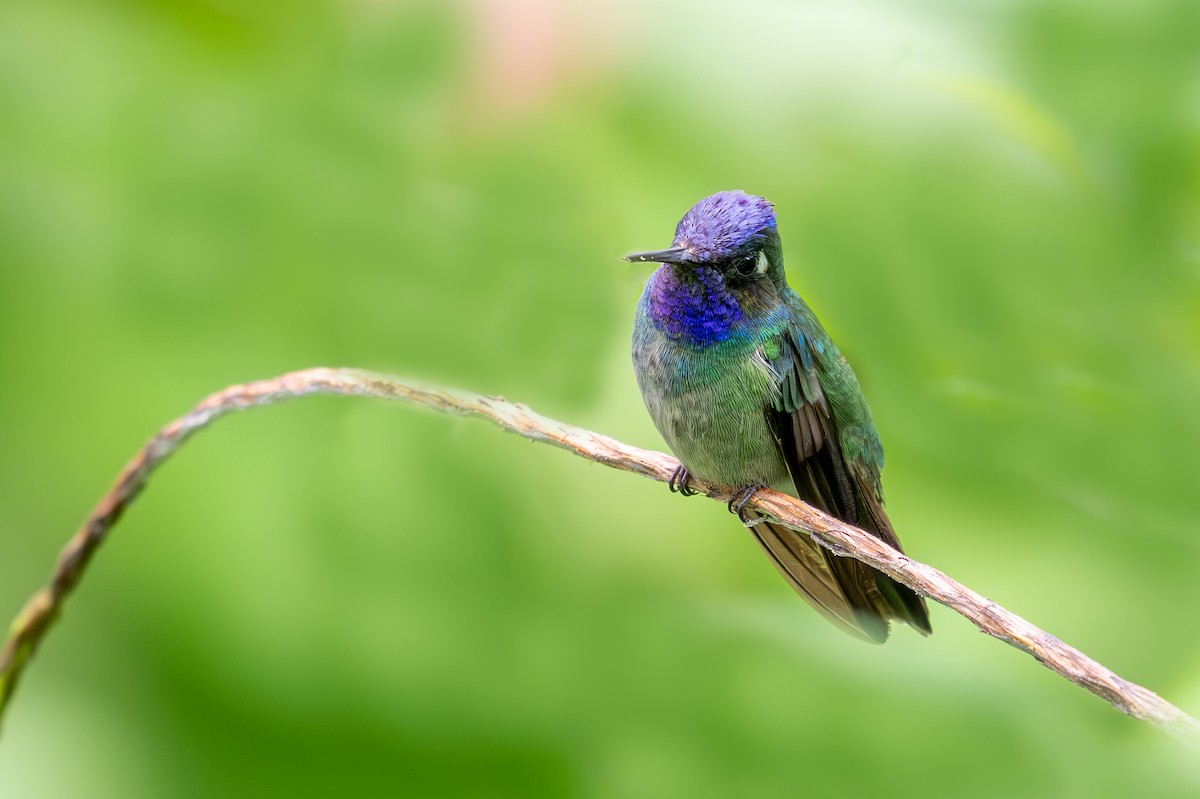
751, 265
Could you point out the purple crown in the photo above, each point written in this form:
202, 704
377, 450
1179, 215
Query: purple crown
724, 224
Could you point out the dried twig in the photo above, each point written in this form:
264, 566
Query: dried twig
30, 626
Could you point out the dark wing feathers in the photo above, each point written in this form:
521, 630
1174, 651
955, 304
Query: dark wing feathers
804, 426
854, 596
909, 606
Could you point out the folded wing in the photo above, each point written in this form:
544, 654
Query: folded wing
853, 596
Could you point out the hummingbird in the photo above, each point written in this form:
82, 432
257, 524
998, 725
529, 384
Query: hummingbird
749, 391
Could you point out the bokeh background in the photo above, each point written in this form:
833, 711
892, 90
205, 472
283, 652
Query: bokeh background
995, 207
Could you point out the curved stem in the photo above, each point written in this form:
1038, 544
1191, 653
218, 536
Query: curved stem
35, 619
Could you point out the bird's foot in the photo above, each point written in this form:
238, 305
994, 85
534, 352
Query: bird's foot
737, 503
679, 482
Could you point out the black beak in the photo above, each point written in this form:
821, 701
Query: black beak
675, 255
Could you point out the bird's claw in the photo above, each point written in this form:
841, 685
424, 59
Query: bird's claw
679, 482
737, 503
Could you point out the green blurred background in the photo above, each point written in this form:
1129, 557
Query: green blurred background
994, 207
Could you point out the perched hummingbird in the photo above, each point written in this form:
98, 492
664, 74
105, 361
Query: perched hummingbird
748, 390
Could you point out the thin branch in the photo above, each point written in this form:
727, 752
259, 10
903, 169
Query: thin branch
39, 613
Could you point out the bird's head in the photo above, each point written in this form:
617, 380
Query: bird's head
731, 232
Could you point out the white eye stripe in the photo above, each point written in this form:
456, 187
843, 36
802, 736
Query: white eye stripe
760, 266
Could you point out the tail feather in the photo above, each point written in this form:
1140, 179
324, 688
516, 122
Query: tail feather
840, 589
